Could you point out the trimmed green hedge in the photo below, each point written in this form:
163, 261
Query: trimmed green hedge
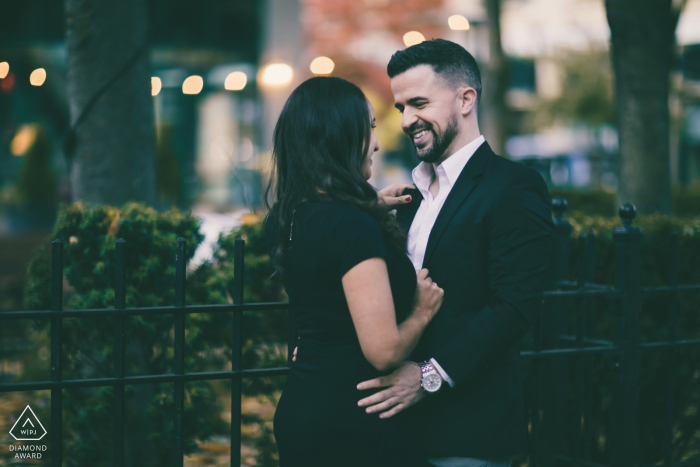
686, 202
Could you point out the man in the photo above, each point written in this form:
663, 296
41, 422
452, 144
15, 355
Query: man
481, 225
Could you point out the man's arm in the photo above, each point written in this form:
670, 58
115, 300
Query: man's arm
518, 249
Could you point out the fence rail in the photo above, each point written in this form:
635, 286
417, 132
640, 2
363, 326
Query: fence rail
549, 357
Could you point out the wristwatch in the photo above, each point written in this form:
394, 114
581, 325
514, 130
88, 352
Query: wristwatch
430, 380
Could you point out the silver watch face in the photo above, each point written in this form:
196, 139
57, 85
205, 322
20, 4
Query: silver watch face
431, 382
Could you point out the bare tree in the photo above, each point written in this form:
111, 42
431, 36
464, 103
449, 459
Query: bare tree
112, 146
643, 40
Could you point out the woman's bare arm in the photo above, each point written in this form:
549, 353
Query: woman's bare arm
368, 292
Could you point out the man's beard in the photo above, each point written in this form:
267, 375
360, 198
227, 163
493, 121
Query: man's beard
440, 142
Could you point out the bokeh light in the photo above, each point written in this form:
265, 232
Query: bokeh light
247, 149
23, 140
413, 38
277, 74
38, 77
156, 85
235, 81
458, 23
193, 85
4, 69
322, 66
7, 83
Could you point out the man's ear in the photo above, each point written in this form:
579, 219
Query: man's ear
467, 97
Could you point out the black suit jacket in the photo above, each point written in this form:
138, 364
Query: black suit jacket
489, 251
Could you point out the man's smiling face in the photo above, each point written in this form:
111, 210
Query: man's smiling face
430, 113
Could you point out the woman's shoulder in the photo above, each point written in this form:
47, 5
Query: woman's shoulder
332, 217
349, 215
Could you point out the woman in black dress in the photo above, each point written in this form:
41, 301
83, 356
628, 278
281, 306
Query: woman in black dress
353, 293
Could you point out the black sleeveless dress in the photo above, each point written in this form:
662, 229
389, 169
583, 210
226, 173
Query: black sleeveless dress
318, 421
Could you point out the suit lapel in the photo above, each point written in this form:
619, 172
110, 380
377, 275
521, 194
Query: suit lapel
407, 212
460, 191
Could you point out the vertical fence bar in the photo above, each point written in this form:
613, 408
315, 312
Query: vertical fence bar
536, 403
671, 353
236, 350
179, 363
291, 340
578, 360
588, 326
627, 278
119, 328
553, 369
56, 352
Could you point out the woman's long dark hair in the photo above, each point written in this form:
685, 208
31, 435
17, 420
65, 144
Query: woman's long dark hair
319, 145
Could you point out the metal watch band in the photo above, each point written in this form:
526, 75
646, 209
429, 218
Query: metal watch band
431, 381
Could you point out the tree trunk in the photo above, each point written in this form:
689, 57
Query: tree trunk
642, 36
493, 111
114, 157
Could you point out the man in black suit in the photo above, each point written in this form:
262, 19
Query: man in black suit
481, 225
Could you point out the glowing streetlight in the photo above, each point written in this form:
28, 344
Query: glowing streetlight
156, 85
413, 38
322, 66
277, 74
4, 69
193, 85
37, 77
458, 23
235, 81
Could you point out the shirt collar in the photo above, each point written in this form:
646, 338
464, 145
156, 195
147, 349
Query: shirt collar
423, 173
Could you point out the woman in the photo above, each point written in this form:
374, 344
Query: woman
349, 281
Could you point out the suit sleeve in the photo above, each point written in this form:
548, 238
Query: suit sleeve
518, 257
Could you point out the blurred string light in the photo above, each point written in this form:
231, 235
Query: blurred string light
413, 38
23, 140
4, 69
193, 85
458, 23
322, 66
277, 75
156, 85
38, 77
235, 81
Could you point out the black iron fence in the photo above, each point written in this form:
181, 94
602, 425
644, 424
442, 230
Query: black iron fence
549, 402
556, 412
179, 377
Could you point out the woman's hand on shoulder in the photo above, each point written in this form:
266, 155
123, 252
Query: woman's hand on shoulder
392, 196
428, 295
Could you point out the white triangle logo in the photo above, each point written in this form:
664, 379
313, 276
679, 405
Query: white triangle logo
34, 432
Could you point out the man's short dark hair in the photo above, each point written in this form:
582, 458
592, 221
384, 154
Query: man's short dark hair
449, 60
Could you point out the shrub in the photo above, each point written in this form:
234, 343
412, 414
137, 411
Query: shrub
89, 234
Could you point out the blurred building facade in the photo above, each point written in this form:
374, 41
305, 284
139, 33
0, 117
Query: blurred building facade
214, 131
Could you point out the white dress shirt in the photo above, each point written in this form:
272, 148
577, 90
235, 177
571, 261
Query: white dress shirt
447, 174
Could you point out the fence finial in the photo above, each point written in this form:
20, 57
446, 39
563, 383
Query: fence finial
559, 207
627, 213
